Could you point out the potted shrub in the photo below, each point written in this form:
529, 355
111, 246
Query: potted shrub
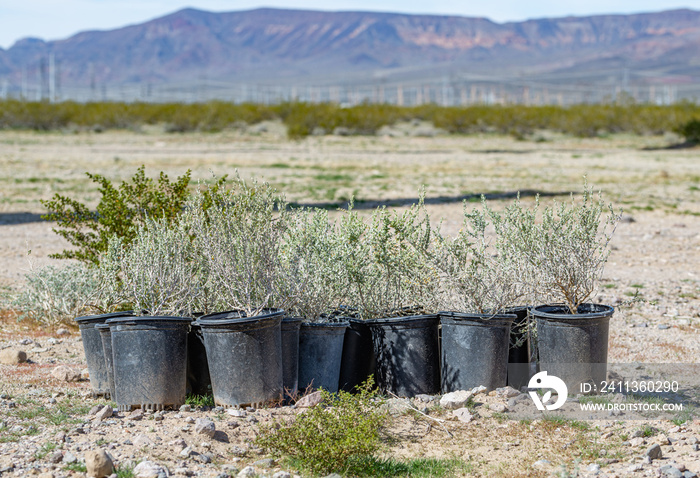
309, 289
149, 348
480, 281
565, 251
391, 285
238, 238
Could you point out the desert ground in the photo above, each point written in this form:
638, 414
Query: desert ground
45, 424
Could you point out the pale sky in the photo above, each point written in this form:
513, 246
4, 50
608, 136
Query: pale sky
58, 19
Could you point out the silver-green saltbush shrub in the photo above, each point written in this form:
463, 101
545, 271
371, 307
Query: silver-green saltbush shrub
385, 264
156, 274
53, 295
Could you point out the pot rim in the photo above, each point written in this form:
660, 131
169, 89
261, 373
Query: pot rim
342, 324
233, 317
598, 311
397, 320
88, 319
149, 318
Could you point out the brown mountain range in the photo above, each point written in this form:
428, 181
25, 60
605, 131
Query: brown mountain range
275, 46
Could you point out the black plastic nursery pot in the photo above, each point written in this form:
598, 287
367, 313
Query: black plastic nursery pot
290, 356
198, 380
358, 361
106, 337
245, 357
94, 352
520, 351
320, 354
474, 350
407, 354
573, 347
150, 361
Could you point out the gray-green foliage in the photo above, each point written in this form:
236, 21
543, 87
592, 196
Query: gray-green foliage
238, 239
156, 272
309, 282
479, 272
565, 248
53, 295
386, 269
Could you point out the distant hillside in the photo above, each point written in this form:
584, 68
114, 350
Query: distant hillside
273, 46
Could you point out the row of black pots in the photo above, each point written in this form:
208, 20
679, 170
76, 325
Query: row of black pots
254, 360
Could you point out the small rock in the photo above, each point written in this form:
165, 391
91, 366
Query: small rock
637, 441
85, 374
670, 471
62, 331
663, 326
234, 412
95, 409
178, 443
187, 452
265, 463
158, 416
636, 467
204, 426
593, 468
542, 463
202, 458
26, 341
498, 407
69, 458
103, 414
422, 397
463, 415
65, 374
455, 400
478, 390
185, 408
55, 457
252, 419
136, 414
12, 357
98, 463
247, 471
149, 469
507, 392
142, 441
282, 474
310, 400
654, 452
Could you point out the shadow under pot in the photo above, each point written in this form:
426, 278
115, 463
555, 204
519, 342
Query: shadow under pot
573, 347
290, 356
106, 336
474, 350
320, 354
519, 352
94, 351
245, 357
407, 354
150, 361
198, 380
358, 356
